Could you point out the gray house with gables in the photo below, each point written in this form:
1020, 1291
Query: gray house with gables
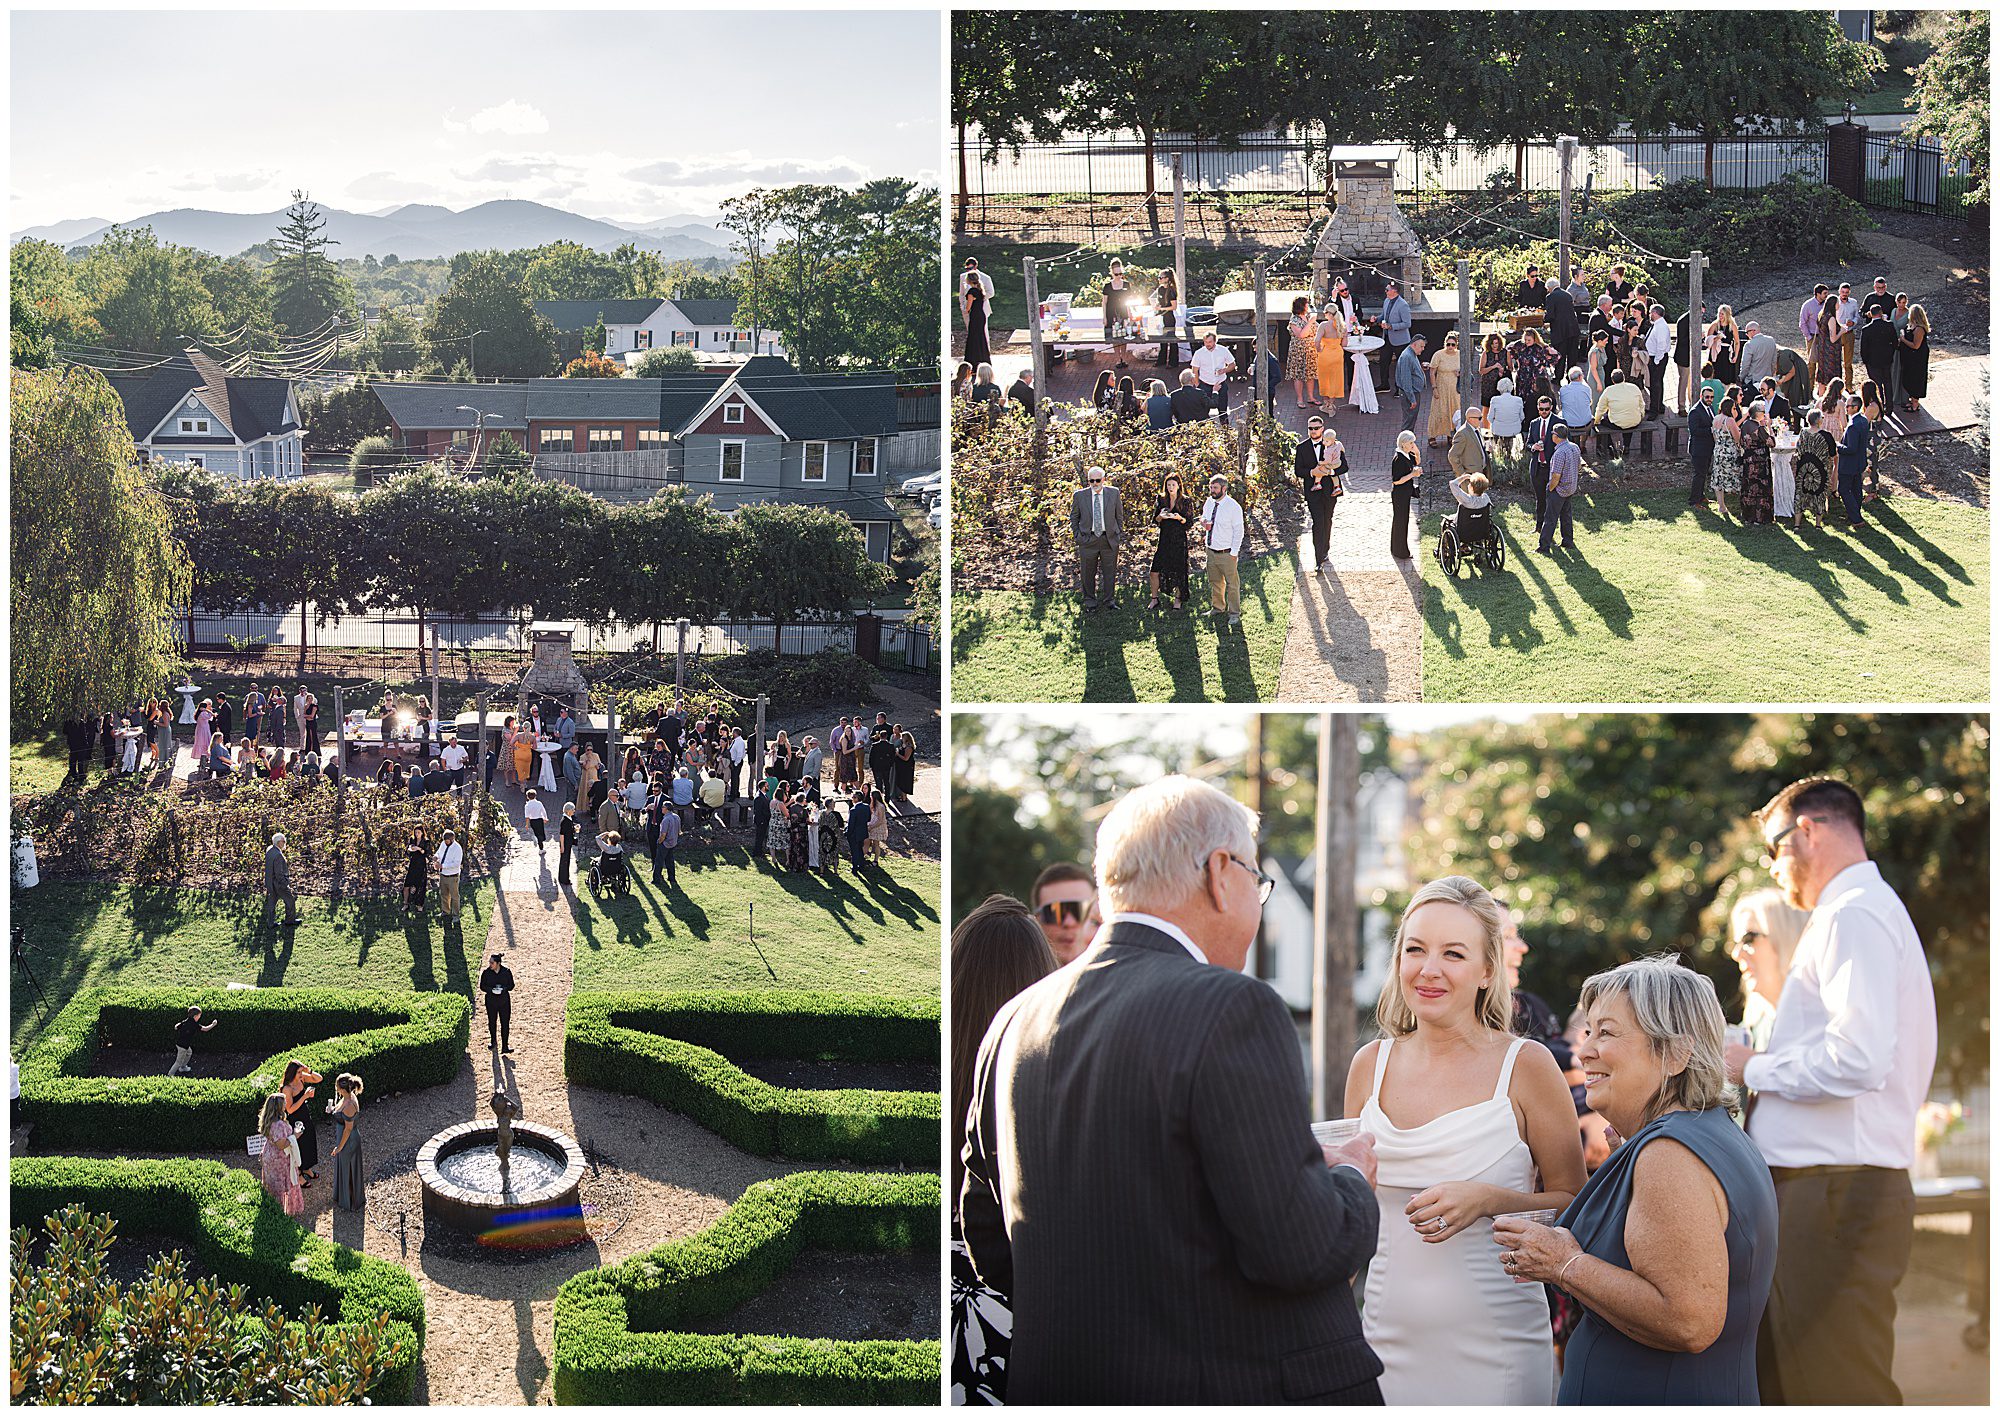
194, 411
756, 433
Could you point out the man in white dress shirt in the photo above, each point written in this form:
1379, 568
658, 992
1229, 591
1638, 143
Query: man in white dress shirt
1222, 532
1659, 353
1835, 1114
1212, 366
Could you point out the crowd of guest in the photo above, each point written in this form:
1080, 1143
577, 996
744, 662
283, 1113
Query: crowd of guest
1648, 1206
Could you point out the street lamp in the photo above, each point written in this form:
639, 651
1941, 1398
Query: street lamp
478, 427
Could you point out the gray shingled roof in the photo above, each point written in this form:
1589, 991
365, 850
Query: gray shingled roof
625, 400
820, 405
572, 315
434, 406
684, 395
708, 312
249, 408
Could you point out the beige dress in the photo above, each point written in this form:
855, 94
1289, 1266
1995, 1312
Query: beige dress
1444, 393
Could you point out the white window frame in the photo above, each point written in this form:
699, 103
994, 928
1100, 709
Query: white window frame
805, 462
686, 338
549, 435
615, 436
642, 339
742, 459
654, 438
197, 459
733, 413
874, 446
194, 425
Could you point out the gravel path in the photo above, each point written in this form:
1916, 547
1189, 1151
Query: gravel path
1356, 633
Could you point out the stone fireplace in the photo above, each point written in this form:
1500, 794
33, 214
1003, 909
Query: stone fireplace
1369, 240
553, 672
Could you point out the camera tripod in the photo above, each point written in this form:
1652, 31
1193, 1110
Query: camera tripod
22, 967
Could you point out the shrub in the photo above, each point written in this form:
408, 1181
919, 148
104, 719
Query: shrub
394, 1041
241, 1234
82, 1339
670, 1048
615, 1337
660, 363
794, 683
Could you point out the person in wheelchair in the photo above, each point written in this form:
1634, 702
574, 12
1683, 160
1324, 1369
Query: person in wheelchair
608, 870
1473, 522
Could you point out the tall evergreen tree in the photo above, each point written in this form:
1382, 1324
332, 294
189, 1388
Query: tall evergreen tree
307, 289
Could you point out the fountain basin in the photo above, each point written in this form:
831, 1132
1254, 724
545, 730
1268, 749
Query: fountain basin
538, 1205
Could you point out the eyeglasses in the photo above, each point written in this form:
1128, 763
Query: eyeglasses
1772, 846
1265, 884
1063, 911
1748, 937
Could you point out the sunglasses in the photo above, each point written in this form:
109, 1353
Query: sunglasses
1748, 937
1063, 911
1772, 846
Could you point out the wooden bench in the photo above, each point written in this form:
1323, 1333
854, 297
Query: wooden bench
1969, 1196
1605, 434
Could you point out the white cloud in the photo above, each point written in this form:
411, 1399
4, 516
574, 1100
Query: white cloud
513, 117
228, 182
388, 187
740, 169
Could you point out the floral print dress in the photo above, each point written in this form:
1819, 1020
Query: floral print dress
1726, 472
1755, 443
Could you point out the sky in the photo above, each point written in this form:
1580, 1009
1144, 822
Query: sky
630, 116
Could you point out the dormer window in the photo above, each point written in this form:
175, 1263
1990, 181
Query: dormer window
194, 425
732, 412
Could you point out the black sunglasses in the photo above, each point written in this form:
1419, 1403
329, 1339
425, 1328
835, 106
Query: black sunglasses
1063, 911
1772, 846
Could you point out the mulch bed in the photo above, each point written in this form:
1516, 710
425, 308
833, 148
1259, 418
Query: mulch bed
802, 1074
848, 1297
154, 1061
1272, 527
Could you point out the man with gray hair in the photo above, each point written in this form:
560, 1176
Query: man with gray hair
278, 883
1097, 525
1838, 1086
1140, 1181
1760, 356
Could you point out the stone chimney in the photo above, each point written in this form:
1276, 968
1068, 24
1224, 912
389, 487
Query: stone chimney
553, 672
1369, 240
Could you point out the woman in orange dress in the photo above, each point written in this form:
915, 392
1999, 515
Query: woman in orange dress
524, 754
1332, 356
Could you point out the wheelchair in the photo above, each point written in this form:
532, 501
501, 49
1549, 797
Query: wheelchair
610, 875
1480, 543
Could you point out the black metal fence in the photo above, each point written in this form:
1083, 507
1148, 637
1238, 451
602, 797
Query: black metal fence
1103, 189
1899, 174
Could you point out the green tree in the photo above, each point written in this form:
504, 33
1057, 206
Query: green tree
29, 345
705, 279
485, 310
1622, 834
97, 571
81, 1338
673, 559
146, 297
593, 366
339, 418
1953, 96
505, 457
307, 291
372, 459
663, 363
750, 217
563, 270
44, 282
242, 303
790, 564
854, 277
392, 345
995, 852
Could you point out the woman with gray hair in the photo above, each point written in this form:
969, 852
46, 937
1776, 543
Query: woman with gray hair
1764, 930
1469, 1122
1671, 1245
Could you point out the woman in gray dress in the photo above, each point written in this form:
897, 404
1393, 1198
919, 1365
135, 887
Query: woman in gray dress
349, 1192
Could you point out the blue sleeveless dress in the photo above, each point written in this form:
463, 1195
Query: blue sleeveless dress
1602, 1366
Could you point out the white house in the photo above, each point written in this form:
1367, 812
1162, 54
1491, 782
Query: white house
192, 410
634, 328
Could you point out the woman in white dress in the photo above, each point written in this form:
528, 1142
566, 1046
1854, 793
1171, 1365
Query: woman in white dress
1465, 1116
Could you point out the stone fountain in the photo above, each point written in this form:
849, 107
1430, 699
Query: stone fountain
507, 1182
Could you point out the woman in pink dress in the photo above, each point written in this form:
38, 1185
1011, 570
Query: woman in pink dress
281, 1157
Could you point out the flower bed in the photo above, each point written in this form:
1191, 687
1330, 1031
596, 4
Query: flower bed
393, 1041
669, 1048
616, 1341
240, 1234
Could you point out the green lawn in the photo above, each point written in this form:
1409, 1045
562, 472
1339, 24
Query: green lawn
1665, 604
39, 764
880, 935
1010, 647
81, 935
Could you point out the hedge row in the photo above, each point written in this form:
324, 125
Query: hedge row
616, 1341
238, 1232
669, 1048
392, 1041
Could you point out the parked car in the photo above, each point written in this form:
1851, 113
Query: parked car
937, 516
928, 482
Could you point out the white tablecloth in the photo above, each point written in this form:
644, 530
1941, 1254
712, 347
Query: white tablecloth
1361, 384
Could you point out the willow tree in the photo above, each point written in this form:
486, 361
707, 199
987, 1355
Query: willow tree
98, 570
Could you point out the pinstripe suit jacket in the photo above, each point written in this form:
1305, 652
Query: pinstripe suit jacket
1141, 1181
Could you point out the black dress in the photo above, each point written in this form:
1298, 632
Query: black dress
1913, 367
1170, 557
416, 872
1400, 500
906, 771
978, 348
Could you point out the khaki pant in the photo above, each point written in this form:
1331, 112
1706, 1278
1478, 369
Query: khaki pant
448, 895
1224, 589
1847, 361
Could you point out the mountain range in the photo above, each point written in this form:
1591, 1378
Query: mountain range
411, 231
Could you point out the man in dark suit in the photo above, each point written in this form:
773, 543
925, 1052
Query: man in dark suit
1189, 403
1561, 326
1541, 446
760, 819
1780, 406
1316, 474
1140, 1180
1853, 460
1022, 391
1097, 527
1701, 445
1877, 346
1684, 344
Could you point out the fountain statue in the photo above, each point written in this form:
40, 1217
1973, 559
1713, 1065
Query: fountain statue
506, 1111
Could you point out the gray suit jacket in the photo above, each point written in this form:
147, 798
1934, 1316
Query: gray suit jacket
1140, 1180
1114, 515
277, 870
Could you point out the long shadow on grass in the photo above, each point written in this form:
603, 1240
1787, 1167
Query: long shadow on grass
1179, 646
1890, 519
1502, 600
1597, 592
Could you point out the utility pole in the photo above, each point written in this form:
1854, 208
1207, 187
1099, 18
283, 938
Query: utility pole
1180, 249
680, 660
757, 741
1468, 353
340, 732
1696, 330
1035, 342
480, 774
1334, 919
1566, 147
1260, 380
